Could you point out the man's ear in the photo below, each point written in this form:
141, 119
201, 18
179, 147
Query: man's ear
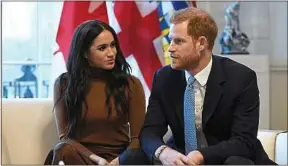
202, 40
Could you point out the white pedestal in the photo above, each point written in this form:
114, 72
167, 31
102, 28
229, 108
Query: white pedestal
260, 64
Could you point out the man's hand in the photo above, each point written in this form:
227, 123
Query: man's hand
172, 157
195, 158
115, 161
98, 160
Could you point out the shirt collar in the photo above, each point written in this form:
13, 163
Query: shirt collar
203, 75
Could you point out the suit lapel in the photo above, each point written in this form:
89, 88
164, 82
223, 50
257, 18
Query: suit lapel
176, 95
213, 90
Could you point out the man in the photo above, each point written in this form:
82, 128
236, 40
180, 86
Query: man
211, 103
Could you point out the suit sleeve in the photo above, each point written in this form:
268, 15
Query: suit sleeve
155, 124
244, 127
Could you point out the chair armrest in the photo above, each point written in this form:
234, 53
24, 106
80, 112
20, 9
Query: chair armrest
5, 152
268, 140
281, 149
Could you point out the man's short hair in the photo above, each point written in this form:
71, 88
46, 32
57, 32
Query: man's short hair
200, 23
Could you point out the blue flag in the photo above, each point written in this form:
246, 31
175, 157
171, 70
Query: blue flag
165, 9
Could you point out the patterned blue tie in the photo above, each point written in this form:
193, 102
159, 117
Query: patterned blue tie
189, 117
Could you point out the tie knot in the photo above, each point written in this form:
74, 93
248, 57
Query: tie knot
191, 80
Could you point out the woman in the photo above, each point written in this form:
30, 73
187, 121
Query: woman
98, 104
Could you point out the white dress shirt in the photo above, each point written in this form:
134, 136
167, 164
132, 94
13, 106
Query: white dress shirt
199, 90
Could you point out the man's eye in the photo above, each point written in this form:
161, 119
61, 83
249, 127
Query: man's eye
178, 41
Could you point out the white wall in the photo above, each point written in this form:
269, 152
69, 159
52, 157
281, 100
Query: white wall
278, 33
278, 81
265, 23
278, 102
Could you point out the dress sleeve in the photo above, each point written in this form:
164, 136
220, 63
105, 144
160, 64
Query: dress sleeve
136, 112
60, 114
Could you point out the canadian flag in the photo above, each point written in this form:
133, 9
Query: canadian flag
73, 14
139, 35
137, 26
138, 30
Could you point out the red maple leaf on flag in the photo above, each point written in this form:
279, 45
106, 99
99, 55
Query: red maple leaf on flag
73, 14
139, 29
137, 35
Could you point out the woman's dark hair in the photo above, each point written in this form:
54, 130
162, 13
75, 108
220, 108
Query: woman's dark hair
80, 74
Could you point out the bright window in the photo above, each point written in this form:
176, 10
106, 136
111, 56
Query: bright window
28, 43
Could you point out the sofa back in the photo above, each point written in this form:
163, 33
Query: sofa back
29, 132
28, 129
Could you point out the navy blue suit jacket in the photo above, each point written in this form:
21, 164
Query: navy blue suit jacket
230, 113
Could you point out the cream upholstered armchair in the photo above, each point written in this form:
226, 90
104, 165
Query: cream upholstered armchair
28, 129
275, 144
29, 132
